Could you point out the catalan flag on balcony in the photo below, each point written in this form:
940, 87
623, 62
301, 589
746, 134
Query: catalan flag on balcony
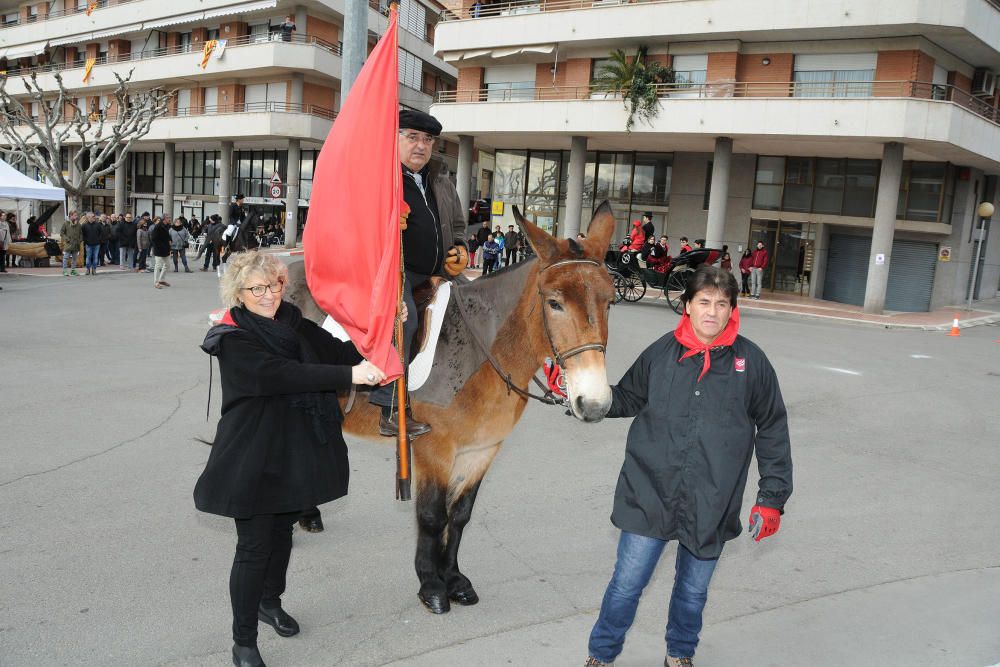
207, 51
87, 67
352, 239
91, 6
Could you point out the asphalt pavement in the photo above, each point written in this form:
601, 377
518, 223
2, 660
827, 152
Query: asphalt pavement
888, 554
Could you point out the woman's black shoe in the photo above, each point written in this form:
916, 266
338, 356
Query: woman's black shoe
283, 624
247, 656
312, 524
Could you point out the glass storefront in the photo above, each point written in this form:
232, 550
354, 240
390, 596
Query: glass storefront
843, 186
537, 182
791, 246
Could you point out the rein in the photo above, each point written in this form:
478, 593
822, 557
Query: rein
548, 397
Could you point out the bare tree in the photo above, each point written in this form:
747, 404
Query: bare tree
92, 136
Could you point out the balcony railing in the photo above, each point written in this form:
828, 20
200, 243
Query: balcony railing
111, 115
148, 54
823, 90
254, 107
516, 7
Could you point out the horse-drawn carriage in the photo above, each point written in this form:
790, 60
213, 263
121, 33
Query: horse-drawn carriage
631, 279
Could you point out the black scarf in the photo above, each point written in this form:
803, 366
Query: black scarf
280, 336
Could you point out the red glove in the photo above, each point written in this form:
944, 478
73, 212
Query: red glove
764, 522
553, 374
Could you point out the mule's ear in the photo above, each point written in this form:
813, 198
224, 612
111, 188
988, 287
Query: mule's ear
599, 232
544, 244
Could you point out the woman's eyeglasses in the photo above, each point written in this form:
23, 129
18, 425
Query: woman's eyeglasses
258, 290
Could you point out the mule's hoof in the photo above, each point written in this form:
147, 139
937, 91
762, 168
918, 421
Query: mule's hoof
436, 603
466, 598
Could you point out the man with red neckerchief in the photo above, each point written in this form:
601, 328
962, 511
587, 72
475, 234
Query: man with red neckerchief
704, 401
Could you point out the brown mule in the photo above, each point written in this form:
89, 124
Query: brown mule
553, 306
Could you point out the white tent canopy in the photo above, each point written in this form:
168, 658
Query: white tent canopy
15, 185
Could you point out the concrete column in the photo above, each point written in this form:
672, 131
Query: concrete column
301, 18
355, 39
298, 80
464, 176
225, 178
718, 196
168, 179
292, 192
886, 203
120, 175
574, 186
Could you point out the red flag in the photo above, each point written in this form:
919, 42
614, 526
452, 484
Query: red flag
351, 240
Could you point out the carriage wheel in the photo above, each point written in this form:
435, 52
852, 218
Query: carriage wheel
633, 288
618, 280
674, 288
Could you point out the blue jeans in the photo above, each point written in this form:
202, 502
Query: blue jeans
637, 559
92, 256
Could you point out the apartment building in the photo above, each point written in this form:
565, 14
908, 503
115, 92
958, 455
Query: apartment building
855, 140
250, 116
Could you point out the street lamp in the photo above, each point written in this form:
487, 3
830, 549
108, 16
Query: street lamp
985, 211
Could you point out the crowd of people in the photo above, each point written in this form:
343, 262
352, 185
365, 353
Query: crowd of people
491, 250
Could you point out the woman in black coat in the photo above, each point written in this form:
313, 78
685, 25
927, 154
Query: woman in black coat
278, 449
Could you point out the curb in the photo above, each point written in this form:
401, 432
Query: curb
962, 324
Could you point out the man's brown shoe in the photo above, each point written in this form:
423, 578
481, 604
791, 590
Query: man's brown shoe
389, 425
671, 661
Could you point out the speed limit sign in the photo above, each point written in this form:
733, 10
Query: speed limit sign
275, 191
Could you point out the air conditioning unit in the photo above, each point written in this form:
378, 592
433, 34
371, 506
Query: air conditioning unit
984, 83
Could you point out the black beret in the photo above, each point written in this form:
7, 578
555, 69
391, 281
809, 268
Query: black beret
410, 119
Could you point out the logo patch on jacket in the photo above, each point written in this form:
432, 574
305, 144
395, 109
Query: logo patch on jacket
741, 365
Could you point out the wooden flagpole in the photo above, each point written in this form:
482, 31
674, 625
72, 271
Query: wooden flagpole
403, 468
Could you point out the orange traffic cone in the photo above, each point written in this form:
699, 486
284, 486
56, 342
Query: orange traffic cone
954, 327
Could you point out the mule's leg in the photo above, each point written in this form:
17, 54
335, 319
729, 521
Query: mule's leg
432, 519
466, 477
460, 589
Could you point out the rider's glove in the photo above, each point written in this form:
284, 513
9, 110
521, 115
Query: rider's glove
404, 212
554, 376
764, 522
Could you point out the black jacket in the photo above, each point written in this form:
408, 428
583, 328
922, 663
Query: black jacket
159, 238
270, 455
92, 233
107, 231
236, 213
690, 444
482, 234
127, 232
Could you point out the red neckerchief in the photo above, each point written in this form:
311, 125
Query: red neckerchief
228, 319
684, 333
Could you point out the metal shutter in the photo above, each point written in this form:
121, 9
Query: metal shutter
847, 269
911, 276
911, 272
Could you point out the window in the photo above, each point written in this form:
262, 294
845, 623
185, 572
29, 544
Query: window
184, 42
861, 179
614, 177
510, 82
148, 172
651, 179
920, 196
770, 177
510, 176
307, 166
413, 18
195, 172
254, 171
410, 69
828, 195
798, 184
834, 75
690, 72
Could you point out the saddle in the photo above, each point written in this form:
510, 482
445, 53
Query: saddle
432, 301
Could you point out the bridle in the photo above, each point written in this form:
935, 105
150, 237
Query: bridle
549, 398
561, 357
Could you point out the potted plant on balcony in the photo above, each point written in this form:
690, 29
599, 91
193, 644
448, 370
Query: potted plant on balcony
634, 79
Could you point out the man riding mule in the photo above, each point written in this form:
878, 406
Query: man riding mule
554, 305
432, 238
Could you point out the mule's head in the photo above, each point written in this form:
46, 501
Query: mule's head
576, 294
